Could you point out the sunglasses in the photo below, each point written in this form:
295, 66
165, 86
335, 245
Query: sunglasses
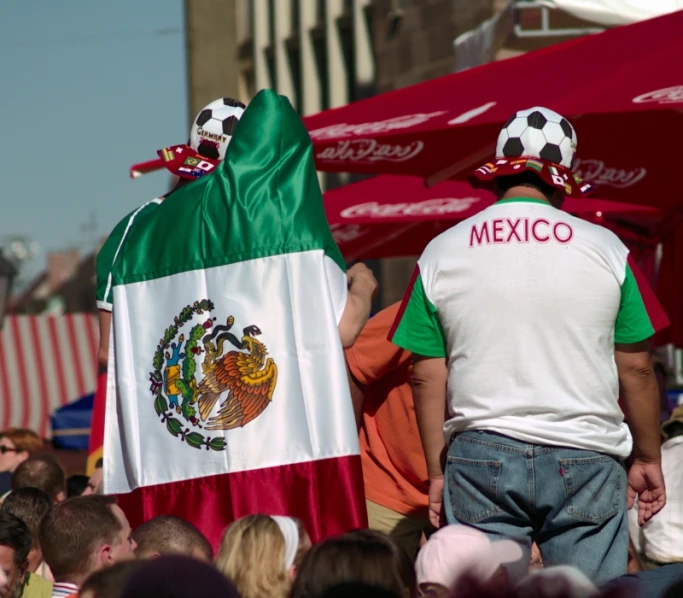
7, 449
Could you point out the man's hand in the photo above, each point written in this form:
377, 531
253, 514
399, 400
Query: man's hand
361, 278
362, 290
646, 481
436, 500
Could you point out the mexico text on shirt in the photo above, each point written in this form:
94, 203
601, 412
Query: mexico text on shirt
527, 303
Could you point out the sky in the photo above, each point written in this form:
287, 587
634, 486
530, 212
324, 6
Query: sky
89, 87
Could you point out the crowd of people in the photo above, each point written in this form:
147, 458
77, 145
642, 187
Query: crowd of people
53, 544
509, 420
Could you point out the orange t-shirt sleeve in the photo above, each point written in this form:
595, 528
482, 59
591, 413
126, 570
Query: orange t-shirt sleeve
372, 356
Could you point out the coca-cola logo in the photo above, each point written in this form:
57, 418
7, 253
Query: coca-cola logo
430, 207
595, 172
372, 128
370, 150
345, 233
670, 95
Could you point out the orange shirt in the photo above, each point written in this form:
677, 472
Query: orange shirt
394, 467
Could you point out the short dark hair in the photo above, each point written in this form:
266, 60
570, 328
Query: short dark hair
674, 429
525, 179
43, 472
14, 534
71, 531
30, 505
109, 582
170, 535
76, 484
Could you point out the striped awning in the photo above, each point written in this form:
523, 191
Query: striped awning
45, 362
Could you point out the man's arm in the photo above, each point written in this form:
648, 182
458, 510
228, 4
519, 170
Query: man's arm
430, 376
640, 398
105, 324
362, 289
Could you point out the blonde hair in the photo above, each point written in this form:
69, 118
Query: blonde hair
252, 555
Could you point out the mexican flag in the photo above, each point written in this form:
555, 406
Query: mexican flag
227, 392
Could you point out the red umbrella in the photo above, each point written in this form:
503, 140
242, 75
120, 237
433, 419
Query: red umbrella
621, 89
394, 216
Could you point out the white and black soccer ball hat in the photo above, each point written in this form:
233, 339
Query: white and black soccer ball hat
538, 133
213, 128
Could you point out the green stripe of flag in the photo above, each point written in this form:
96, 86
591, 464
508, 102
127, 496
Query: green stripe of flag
263, 200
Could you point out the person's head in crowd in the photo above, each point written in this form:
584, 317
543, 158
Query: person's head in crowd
15, 544
95, 482
85, 534
17, 445
349, 558
359, 590
109, 582
76, 485
30, 505
259, 553
43, 472
402, 563
458, 552
177, 576
556, 582
166, 535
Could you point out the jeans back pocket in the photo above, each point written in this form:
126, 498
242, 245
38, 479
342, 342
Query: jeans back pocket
473, 488
595, 488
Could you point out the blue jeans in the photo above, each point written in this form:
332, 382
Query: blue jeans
571, 502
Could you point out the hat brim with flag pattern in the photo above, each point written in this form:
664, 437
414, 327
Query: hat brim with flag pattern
551, 173
185, 162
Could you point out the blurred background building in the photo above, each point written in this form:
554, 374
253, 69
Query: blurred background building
327, 53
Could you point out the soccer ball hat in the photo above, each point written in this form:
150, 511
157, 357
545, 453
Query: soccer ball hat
538, 140
210, 136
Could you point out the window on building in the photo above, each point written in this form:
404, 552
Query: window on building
272, 70
295, 14
345, 27
245, 22
321, 11
294, 60
271, 21
320, 52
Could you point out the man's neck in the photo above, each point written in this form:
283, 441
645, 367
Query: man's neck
76, 580
520, 191
531, 193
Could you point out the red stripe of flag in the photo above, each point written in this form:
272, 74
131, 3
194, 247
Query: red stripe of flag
327, 495
57, 356
4, 381
404, 303
25, 399
77, 365
655, 311
42, 381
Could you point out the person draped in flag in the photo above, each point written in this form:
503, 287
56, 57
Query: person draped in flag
242, 265
526, 322
208, 142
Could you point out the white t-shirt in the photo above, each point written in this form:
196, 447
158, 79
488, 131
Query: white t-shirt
526, 302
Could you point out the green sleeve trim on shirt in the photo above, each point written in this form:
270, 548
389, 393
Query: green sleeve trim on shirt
419, 330
105, 258
633, 323
109, 252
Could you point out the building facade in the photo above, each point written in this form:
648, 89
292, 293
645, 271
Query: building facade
327, 53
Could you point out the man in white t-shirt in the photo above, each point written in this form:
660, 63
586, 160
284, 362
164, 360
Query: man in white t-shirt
526, 321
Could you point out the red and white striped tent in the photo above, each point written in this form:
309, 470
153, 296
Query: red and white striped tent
45, 362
